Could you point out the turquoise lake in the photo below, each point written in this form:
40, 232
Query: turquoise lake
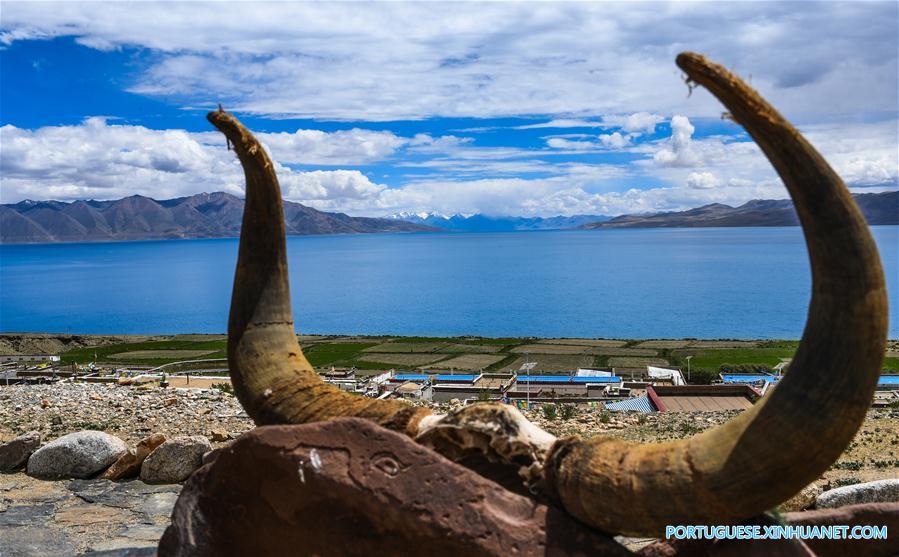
638, 283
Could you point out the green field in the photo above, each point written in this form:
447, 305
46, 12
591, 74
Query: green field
377, 353
148, 353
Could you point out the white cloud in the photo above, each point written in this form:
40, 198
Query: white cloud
561, 123
334, 186
344, 147
97, 159
571, 61
562, 143
611, 141
678, 151
702, 180
614, 140
637, 123
103, 161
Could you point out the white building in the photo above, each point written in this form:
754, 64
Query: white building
28, 358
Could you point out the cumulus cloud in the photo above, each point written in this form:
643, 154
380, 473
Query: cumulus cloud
103, 160
411, 60
611, 141
678, 151
614, 140
636, 124
100, 160
344, 147
562, 143
702, 180
335, 186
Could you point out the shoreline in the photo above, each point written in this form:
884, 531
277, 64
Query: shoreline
462, 354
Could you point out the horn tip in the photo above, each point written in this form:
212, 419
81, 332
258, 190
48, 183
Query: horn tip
691, 60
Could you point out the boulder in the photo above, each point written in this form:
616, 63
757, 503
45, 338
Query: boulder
350, 487
14, 454
128, 465
77, 455
880, 491
175, 460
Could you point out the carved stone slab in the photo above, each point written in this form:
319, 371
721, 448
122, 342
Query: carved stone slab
350, 487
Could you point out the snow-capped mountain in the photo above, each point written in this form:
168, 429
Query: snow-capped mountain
484, 223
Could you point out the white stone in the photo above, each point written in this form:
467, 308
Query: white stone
880, 491
175, 460
77, 455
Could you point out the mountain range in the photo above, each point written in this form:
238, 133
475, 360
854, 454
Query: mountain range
205, 215
485, 223
218, 215
878, 208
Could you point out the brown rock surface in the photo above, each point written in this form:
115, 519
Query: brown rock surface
349, 487
868, 514
15, 453
871, 514
175, 459
128, 465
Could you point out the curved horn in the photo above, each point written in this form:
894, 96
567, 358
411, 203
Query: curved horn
272, 378
788, 439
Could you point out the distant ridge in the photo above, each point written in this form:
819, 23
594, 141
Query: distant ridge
878, 208
485, 223
205, 215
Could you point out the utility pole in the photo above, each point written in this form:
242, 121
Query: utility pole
527, 357
688, 358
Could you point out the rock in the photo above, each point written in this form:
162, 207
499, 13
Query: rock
77, 455
14, 454
803, 500
219, 436
392, 496
880, 491
128, 465
870, 514
175, 460
39, 540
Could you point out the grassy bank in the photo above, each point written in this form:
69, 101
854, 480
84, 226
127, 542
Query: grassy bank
464, 354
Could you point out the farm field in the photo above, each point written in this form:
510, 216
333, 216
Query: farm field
156, 354
552, 363
469, 362
433, 353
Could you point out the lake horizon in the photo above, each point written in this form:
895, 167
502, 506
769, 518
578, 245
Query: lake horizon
704, 283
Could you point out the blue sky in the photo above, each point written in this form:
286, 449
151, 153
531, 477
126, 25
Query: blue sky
377, 109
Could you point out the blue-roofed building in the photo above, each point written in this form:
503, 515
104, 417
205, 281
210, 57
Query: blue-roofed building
888, 383
455, 378
564, 379
416, 377
749, 378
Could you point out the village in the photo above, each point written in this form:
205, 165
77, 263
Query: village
635, 376
159, 408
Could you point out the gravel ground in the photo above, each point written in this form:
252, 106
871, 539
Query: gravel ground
130, 413
39, 518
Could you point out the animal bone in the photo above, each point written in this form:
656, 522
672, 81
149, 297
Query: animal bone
723, 475
790, 437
